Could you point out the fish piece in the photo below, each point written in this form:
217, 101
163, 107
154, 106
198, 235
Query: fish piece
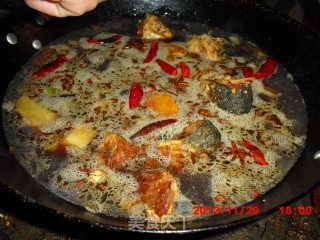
151, 28
177, 152
176, 51
195, 187
206, 45
236, 101
202, 135
115, 150
231, 82
158, 190
97, 176
172, 149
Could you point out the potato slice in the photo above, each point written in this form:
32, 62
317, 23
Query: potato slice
79, 137
162, 104
33, 113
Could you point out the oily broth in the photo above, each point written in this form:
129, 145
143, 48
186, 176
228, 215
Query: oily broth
112, 71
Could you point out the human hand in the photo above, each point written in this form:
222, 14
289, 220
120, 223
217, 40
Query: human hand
63, 8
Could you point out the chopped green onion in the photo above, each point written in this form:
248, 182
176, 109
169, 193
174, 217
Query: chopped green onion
51, 91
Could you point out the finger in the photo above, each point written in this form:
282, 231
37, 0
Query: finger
60, 8
76, 8
47, 7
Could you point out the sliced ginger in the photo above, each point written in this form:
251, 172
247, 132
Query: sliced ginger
33, 113
79, 137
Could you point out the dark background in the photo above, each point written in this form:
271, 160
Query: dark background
305, 11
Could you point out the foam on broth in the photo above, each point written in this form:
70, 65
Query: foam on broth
112, 69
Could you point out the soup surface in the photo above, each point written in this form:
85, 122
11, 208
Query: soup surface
154, 123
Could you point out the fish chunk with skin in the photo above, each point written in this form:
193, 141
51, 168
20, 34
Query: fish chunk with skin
199, 137
202, 135
115, 150
236, 102
158, 191
196, 187
177, 152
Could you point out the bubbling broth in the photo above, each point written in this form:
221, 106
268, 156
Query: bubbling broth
124, 125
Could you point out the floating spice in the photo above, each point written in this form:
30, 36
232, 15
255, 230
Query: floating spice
151, 127
48, 68
136, 95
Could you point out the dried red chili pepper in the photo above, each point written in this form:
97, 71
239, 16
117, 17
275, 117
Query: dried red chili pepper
80, 183
266, 69
84, 170
247, 72
93, 41
153, 126
185, 70
171, 70
50, 67
207, 113
111, 39
136, 44
236, 153
256, 152
152, 52
256, 194
136, 95
274, 119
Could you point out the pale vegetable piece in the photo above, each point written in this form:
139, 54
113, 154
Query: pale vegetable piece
51, 147
206, 45
33, 113
151, 28
163, 105
97, 176
79, 137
